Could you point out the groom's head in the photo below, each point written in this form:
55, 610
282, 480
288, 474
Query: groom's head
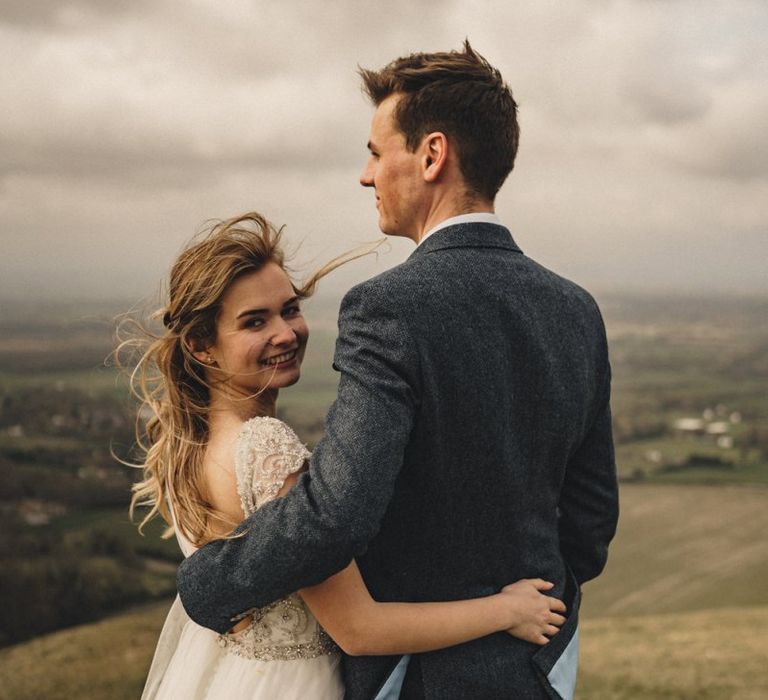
451, 112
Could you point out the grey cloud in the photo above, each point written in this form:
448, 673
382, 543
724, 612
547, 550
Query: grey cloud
660, 100
29, 14
729, 143
51, 15
204, 90
108, 151
734, 156
121, 117
167, 165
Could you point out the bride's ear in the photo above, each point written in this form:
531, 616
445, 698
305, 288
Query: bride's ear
206, 358
204, 355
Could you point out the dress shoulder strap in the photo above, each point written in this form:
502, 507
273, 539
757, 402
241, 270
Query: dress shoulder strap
267, 452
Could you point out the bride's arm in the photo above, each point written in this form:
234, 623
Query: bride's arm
362, 626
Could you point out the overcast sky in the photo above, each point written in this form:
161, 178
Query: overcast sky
125, 125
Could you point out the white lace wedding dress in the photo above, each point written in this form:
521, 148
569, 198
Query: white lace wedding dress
284, 654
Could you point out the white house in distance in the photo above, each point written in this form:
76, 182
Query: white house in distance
718, 430
690, 426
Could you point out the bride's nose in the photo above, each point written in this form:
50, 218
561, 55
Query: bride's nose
283, 335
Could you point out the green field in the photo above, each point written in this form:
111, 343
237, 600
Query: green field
682, 603
114, 522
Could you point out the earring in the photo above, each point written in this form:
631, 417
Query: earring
209, 360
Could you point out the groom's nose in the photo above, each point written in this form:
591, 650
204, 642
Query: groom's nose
366, 177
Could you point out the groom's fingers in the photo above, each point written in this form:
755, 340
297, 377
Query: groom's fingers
556, 619
551, 629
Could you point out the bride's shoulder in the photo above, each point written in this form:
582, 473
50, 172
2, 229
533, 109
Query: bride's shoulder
268, 451
267, 432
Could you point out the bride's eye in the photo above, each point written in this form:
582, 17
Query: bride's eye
294, 310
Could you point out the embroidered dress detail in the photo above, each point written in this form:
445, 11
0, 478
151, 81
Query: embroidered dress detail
280, 632
268, 452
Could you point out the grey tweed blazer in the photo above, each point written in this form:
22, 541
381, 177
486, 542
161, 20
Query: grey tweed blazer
469, 446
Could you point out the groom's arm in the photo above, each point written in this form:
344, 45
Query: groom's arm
336, 507
589, 499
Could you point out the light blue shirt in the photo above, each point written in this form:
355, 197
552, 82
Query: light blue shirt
394, 684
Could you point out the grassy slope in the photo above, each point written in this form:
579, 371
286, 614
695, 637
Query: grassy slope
685, 548
680, 612
107, 659
707, 655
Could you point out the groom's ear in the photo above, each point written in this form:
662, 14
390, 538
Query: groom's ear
434, 156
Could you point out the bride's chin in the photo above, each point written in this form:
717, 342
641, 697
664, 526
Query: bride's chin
293, 380
282, 382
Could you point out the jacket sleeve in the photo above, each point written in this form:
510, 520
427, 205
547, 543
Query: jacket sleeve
336, 508
589, 499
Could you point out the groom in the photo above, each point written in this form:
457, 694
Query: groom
470, 443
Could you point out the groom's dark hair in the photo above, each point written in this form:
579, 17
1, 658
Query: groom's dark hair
462, 95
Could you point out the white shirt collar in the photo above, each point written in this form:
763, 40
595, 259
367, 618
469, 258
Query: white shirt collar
484, 217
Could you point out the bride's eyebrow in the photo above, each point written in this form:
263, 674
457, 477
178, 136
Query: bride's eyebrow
256, 312
251, 312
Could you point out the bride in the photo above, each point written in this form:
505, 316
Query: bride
214, 452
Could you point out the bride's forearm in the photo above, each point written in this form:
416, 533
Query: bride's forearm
411, 628
363, 626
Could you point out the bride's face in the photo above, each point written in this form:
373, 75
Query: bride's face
260, 332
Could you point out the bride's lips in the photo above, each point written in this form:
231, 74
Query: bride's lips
284, 360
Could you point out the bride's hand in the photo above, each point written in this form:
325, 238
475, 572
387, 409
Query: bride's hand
534, 616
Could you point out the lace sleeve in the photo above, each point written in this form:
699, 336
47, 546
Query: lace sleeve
267, 452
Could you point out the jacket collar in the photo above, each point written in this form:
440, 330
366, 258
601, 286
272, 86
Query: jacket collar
474, 235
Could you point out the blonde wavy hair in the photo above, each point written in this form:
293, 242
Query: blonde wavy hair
170, 383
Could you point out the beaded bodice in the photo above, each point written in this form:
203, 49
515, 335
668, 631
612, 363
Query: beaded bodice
267, 452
